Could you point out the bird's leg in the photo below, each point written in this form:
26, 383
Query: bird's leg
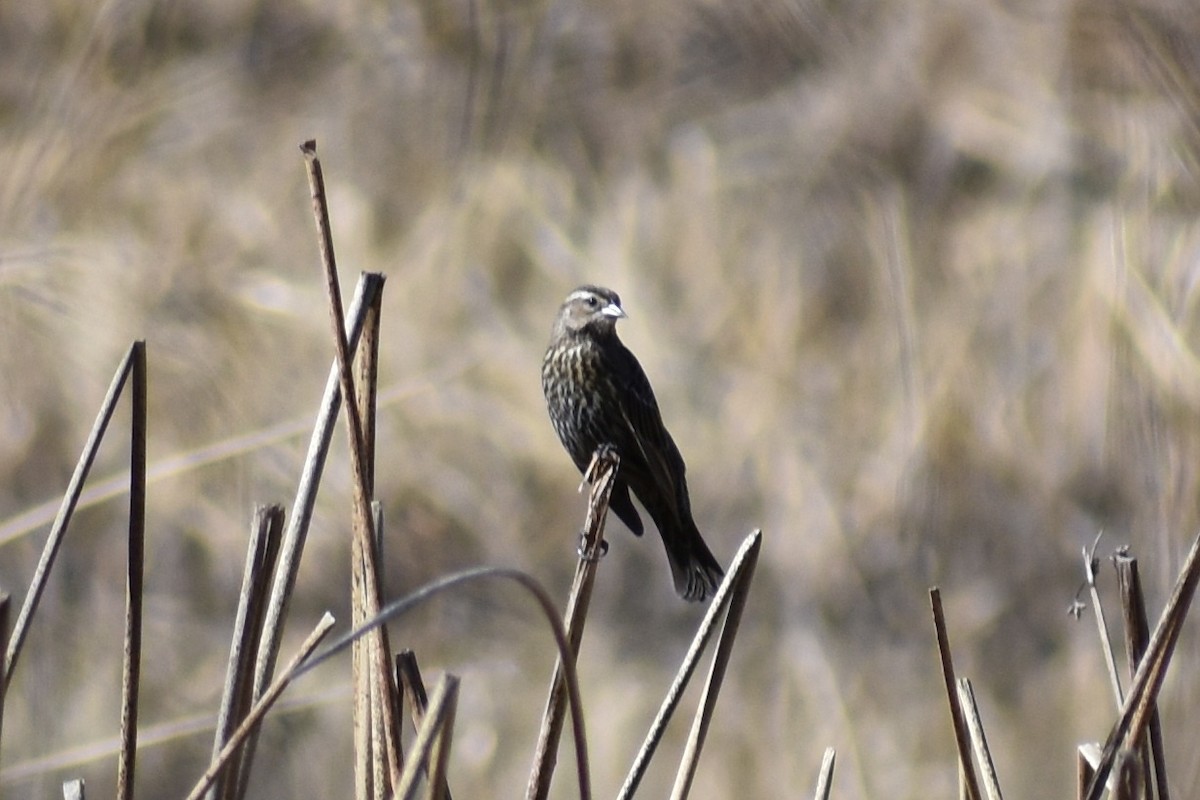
603, 453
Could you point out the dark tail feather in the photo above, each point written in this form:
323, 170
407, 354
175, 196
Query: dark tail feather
696, 572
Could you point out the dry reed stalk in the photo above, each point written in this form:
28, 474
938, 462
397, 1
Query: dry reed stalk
366, 597
135, 570
412, 687
262, 705
5, 606
296, 533
1090, 565
432, 746
261, 556
602, 472
63, 519
741, 575
1083, 772
1137, 634
1146, 682
545, 604
825, 776
1126, 771
983, 753
962, 736
737, 581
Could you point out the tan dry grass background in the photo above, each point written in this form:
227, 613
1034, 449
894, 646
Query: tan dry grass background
916, 284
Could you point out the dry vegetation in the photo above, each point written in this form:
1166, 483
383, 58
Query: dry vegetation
916, 285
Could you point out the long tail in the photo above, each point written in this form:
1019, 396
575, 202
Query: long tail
696, 572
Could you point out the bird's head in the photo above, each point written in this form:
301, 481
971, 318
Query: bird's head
589, 309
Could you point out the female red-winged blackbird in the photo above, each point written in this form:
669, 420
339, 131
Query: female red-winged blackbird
597, 395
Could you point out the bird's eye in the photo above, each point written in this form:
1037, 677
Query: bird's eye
591, 301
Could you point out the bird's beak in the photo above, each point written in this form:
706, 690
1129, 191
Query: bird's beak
613, 310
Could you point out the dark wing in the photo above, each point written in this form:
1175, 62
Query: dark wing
649, 447
621, 505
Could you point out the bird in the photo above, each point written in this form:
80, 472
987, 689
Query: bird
597, 396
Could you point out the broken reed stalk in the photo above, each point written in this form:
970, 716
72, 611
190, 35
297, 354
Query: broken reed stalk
295, 668
247, 631
603, 472
432, 745
1137, 634
135, 570
983, 754
371, 693
380, 693
1090, 565
1083, 773
962, 737
1148, 679
367, 599
412, 688
739, 591
73, 789
740, 573
296, 533
825, 776
439, 757
63, 519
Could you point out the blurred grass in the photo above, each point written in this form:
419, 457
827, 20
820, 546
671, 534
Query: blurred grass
915, 283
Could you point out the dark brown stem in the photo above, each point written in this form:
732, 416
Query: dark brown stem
962, 736
135, 569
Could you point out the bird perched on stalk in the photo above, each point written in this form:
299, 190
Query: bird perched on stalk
598, 395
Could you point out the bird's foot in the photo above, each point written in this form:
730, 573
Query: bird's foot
605, 452
591, 555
